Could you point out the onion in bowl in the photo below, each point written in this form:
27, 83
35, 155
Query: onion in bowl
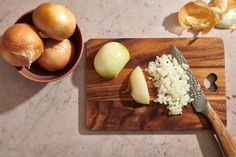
57, 54
21, 45
54, 21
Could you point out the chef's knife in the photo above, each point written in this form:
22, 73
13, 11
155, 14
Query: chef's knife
201, 104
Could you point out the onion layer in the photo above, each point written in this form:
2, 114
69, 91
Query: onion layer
21, 45
54, 21
57, 54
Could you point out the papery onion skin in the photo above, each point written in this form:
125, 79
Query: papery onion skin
21, 45
197, 16
221, 4
228, 21
227, 11
200, 16
57, 55
54, 20
224, 5
218, 8
231, 4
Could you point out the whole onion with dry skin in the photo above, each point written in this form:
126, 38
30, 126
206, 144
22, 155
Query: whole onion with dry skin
21, 45
54, 21
57, 54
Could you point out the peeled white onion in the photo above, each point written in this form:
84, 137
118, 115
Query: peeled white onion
111, 59
57, 54
138, 86
21, 45
54, 20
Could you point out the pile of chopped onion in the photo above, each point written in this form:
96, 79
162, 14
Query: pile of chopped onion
171, 80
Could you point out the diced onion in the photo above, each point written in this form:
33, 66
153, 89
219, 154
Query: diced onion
171, 80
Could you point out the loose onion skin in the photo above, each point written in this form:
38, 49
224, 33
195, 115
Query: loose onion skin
21, 45
57, 54
54, 20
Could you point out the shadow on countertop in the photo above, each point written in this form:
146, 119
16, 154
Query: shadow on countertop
14, 88
171, 24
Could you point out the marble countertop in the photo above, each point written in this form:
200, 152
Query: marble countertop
48, 119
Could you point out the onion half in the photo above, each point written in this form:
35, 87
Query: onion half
57, 54
54, 21
21, 45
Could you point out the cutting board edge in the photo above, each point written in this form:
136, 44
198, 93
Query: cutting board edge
136, 38
217, 38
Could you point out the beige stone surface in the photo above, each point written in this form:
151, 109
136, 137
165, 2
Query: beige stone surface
47, 120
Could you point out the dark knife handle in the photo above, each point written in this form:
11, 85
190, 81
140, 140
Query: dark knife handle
226, 141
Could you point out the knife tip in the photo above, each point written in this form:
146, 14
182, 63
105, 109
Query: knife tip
173, 48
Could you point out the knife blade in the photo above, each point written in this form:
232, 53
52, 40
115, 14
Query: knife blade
201, 104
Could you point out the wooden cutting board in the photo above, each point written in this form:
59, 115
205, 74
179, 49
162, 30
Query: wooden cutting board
110, 107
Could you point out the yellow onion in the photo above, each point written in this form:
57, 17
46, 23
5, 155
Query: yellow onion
198, 16
57, 54
21, 45
54, 21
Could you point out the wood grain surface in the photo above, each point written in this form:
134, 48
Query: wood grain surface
225, 139
110, 107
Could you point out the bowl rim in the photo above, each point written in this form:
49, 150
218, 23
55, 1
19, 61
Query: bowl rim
21, 69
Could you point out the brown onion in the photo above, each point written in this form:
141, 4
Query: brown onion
54, 20
57, 54
21, 45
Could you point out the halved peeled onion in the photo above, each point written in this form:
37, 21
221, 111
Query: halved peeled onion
111, 59
21, 45
57, 54
54, 21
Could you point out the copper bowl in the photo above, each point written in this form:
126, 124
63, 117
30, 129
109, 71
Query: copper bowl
38, 74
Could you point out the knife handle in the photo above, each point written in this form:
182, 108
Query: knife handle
226, 141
